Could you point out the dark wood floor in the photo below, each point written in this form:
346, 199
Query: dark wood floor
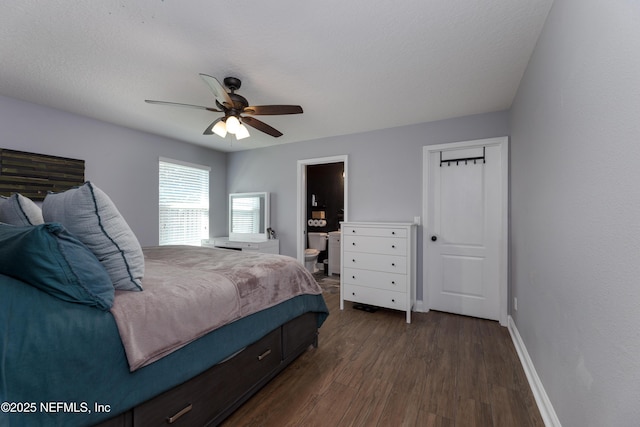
373, 369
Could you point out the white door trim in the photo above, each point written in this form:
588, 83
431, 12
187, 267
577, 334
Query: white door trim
503, 143
302, 196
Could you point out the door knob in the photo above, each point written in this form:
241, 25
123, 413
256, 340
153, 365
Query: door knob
434, 238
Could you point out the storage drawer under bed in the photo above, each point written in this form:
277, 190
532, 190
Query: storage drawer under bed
190, 404
298, 334
213, 395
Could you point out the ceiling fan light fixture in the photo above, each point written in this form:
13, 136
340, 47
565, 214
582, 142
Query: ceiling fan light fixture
220, 129
233, 124
242, 132
232, 105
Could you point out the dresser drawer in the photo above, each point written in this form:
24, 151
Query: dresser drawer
376, 245
377, 297
190, 404
349, 230
375, 262
376, 279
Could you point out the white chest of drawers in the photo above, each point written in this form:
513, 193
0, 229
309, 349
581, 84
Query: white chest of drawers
379, 264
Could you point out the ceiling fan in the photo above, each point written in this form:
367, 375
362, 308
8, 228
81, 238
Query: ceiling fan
233, 105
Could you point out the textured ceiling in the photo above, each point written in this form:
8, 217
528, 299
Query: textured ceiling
353, 66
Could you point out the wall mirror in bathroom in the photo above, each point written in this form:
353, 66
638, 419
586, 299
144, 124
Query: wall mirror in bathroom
248, 216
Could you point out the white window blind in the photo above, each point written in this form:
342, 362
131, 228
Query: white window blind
184, 203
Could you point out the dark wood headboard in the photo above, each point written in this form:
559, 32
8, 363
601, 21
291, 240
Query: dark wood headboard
33, 175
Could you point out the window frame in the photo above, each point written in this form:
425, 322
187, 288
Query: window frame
199, 205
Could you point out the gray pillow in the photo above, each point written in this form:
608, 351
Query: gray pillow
20, 210
90, 215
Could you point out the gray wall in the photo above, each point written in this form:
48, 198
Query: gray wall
385, 171
575, 211
575, 169
120, 161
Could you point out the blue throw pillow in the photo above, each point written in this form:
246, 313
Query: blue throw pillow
51, 259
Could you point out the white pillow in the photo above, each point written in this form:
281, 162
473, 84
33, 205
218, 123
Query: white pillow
89, 214
20, 210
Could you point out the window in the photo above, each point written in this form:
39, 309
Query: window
184, 203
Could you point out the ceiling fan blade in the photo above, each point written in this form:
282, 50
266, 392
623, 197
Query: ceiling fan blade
209, 129
218, 90
261, 126
272, 110
177, 104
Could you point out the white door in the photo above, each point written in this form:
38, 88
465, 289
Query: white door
465, 228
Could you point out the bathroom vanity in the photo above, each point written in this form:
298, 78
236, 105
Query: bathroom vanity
334, 252
379, 265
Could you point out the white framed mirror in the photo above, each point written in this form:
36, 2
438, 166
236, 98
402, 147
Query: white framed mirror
249, 216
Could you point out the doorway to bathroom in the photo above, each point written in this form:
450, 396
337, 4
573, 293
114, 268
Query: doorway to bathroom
319, 205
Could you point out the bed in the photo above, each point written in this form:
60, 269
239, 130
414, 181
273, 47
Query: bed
208, 330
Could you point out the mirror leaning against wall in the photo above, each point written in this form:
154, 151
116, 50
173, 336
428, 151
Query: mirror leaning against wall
249, 216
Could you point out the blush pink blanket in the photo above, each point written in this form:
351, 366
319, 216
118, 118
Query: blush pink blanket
190, 291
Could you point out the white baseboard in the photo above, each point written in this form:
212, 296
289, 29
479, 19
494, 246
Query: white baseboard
542, 400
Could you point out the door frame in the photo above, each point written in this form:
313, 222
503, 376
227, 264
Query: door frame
302, 197
503, 143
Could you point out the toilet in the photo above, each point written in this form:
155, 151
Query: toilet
317, 243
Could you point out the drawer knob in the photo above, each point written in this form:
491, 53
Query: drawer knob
353, 260
353, 293
393, 264
353, 277
393, 246
353, 231
265, 354
183, 411
353, 243
393, 282
393, 232
393, 300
